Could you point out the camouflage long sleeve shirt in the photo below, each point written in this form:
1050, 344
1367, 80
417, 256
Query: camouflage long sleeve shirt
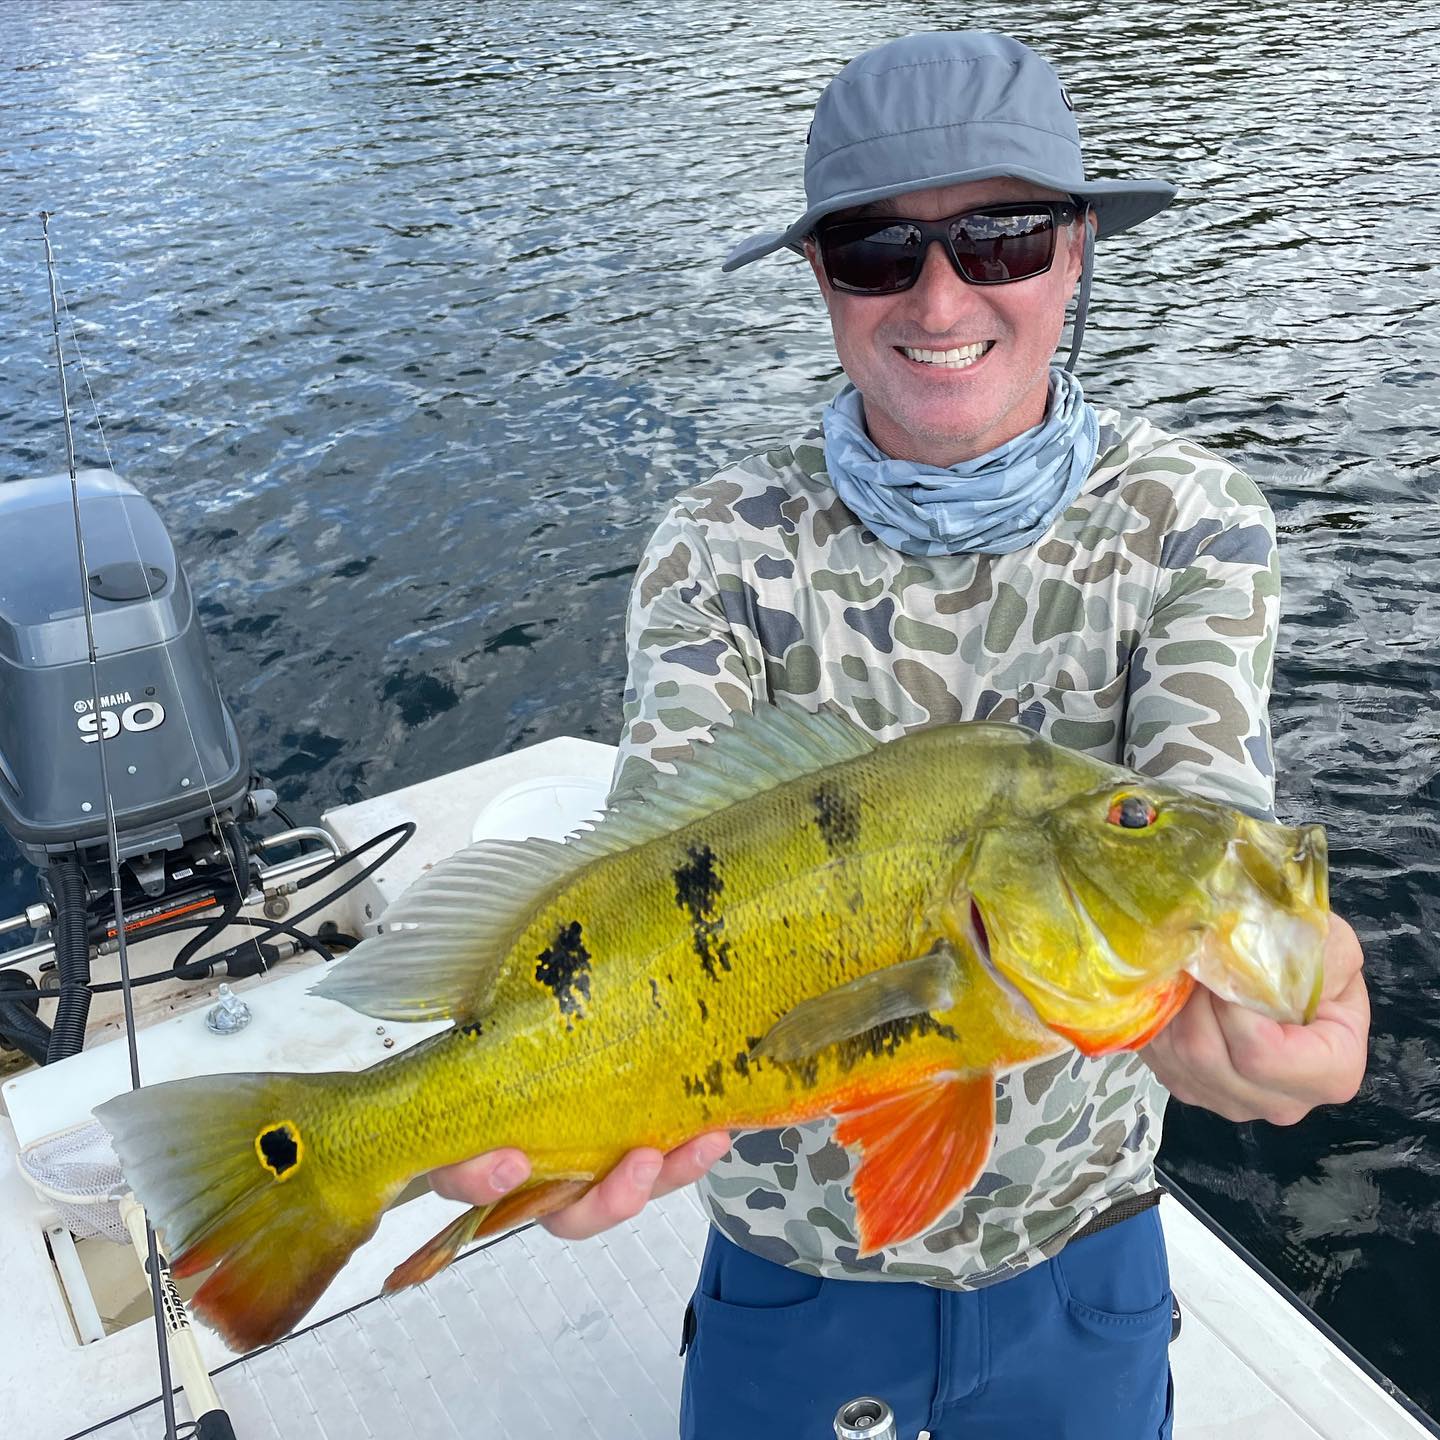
1140, 629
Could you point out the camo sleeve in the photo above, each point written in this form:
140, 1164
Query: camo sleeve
688, 668
1199, 681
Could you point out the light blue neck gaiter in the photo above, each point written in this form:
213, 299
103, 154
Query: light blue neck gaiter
1001, 501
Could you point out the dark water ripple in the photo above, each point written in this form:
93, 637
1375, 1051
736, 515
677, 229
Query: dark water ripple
408, 318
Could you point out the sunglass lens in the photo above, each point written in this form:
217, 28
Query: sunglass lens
992, 249
869, 258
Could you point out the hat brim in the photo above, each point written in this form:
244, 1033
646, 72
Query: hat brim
1118, 205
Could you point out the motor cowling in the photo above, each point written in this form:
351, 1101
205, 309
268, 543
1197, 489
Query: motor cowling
174, 756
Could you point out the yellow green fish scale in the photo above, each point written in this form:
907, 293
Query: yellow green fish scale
694, 944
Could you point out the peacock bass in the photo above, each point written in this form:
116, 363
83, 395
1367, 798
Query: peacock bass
800, 921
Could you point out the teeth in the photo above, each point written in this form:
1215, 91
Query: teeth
950, 359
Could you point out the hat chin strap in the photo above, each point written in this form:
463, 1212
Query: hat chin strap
1082, 293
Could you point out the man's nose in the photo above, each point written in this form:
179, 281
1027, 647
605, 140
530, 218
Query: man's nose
940, 298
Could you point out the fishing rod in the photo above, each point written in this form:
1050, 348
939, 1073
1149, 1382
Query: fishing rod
171, 1322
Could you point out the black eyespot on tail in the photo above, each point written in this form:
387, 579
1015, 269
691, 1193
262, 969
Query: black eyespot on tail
279, 1148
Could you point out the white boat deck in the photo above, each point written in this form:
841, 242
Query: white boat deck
527, 1336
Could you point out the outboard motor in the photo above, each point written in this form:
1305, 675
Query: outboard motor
178, 774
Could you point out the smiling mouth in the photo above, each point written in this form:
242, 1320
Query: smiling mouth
955, 359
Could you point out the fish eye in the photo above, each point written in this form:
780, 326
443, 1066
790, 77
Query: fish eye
1131, 812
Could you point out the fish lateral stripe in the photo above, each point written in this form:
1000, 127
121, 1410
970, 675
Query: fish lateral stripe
563, 968
280, 1149
698, 888
837, 816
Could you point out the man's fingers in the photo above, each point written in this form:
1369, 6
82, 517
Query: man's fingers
1344, 958
688, 1162
483, 1180
620, 1195
642, 1176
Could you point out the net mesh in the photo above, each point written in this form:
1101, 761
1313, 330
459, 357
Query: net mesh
77, 1172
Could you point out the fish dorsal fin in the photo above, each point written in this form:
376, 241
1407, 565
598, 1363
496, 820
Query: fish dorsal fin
913, 987
755, 753
446, 938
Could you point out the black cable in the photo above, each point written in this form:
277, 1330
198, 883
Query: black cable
267, 927
72, 957
24, 1030
405, 830
185, 966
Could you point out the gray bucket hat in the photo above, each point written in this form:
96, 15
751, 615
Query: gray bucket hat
939, 109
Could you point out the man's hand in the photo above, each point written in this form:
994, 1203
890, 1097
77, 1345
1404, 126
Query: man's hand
1246, 1067
641, 1176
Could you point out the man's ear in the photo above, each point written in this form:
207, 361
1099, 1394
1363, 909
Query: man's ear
1075, 259
812, 254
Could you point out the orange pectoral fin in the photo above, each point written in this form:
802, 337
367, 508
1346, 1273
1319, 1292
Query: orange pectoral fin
920, 1150
1128, 1036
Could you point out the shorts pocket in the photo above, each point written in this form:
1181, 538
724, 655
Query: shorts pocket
739, 1287
1116, 1283
752, 1327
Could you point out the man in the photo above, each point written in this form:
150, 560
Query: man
963, 538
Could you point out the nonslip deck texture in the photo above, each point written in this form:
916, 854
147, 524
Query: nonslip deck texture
530, 1337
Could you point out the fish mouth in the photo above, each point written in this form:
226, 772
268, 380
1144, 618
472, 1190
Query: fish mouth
1266, 950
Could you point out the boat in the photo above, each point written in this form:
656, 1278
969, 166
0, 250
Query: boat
524, 1335
221, 923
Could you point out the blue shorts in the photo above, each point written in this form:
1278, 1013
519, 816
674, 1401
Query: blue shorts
1075, 1348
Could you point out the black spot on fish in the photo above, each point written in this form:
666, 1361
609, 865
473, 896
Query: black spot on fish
711, 1083
704, 1009
563, 968
697, 892
697, 886
655, 995
837, 813
741, 1065
804, 1072
888, 1038
473, 1030
279, 1148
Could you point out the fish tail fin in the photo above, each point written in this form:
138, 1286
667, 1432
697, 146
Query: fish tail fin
228, 1169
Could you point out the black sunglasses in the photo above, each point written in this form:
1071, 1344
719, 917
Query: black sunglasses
992, 245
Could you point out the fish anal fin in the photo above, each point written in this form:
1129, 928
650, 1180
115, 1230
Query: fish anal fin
920, 1150
913, 987
1166, 1004
534, 1202
529, 1203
